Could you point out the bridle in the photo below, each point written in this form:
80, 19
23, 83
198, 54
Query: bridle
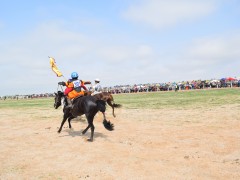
59, 99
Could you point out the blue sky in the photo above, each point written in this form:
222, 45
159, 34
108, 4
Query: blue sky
118, 41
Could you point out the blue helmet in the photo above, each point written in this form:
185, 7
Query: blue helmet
74, 75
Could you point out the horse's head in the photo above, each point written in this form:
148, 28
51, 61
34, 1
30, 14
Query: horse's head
58, 99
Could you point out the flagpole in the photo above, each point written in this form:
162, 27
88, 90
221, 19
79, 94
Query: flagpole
64, 78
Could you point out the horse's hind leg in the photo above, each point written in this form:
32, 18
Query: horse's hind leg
90, 125
92, 130
85, 130
104, 116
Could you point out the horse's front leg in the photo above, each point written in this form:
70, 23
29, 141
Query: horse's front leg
65, 116
63, 121
69, 121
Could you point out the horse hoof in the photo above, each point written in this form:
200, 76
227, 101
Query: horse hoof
89, 140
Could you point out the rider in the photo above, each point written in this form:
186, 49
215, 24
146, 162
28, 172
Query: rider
97, 88
74, 88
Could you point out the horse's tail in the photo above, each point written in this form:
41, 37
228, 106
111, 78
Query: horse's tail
114, 105
117, 105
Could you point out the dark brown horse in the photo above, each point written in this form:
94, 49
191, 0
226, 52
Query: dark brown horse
87, 105
107, 97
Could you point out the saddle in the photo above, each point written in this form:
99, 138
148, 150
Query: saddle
74, 99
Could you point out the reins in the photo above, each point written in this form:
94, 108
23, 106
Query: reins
58, 87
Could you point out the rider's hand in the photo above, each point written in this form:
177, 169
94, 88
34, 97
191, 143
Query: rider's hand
62, 83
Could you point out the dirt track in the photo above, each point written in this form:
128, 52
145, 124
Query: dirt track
149, 144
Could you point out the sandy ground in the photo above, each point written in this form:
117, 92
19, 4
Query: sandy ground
146, 144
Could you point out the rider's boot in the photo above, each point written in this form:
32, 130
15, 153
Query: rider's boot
70, 105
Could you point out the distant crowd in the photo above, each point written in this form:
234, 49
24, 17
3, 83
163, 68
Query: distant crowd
32, 96
151, 87
175, 86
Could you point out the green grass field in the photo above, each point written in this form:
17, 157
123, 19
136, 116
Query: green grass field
179, 100
156, 100
27, 103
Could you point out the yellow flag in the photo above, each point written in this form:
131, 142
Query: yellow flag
54, 67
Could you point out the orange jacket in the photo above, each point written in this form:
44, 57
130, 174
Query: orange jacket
74, 88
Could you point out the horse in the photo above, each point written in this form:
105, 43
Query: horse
107, 97
87, 105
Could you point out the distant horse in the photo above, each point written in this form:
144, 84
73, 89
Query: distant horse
107, 97
87, 105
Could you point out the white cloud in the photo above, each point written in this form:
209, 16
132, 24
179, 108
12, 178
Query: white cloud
25, 59
208, 57
162, 13
215, 50
116, 54
47, 39
144, 51
115, 59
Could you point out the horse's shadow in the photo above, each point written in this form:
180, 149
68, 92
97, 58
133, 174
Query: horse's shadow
73, 133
